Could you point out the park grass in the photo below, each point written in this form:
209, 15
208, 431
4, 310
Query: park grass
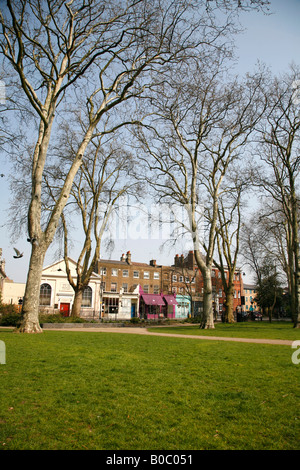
111, 391
262, 330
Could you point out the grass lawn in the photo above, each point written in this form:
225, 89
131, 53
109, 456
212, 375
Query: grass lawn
111, 391
256, 329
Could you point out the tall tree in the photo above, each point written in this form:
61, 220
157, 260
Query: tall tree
104, 176
228, 242
53, 47
269, 292
200, 128
279, 138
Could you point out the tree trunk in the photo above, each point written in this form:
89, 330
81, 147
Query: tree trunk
76, 307
296, 313
269, 310
30, 310
208, 314
229, 305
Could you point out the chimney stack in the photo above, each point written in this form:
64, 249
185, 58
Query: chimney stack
128, 257
153, 262
122, 257
191, 260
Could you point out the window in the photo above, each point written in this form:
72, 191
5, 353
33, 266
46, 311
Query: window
220, 293
45, 294
156, 275
113, 287
114, 272
111, 305
213, 274
87, 297
103, 271
136, 274
174, 290
125, 272
174, 278
125, 287
180, 278
156, 289
146, 275
146, 289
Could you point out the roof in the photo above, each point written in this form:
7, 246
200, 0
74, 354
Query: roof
125, 263
250, 286
50, 271
170, 299
152, 299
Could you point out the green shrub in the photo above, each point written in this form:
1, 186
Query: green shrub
58, 318
9, 315
51, 318
75, 320
8, 309
134, 320
10, 319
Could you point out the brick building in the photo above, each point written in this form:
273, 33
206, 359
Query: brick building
182, 281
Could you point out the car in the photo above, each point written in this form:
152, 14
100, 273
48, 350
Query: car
256, 316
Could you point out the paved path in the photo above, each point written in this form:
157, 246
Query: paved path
144, 331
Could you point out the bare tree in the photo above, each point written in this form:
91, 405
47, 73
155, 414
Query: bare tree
104, 176
279, 138
228, 243
52, 47
200, 128
267, 239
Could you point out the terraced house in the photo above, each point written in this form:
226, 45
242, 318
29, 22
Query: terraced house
123, 289
174, 291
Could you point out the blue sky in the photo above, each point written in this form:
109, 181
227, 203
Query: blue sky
272, 39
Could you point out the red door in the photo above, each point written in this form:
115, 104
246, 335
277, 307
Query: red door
64, 309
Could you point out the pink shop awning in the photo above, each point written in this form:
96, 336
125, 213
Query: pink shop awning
152, 299
170, 299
